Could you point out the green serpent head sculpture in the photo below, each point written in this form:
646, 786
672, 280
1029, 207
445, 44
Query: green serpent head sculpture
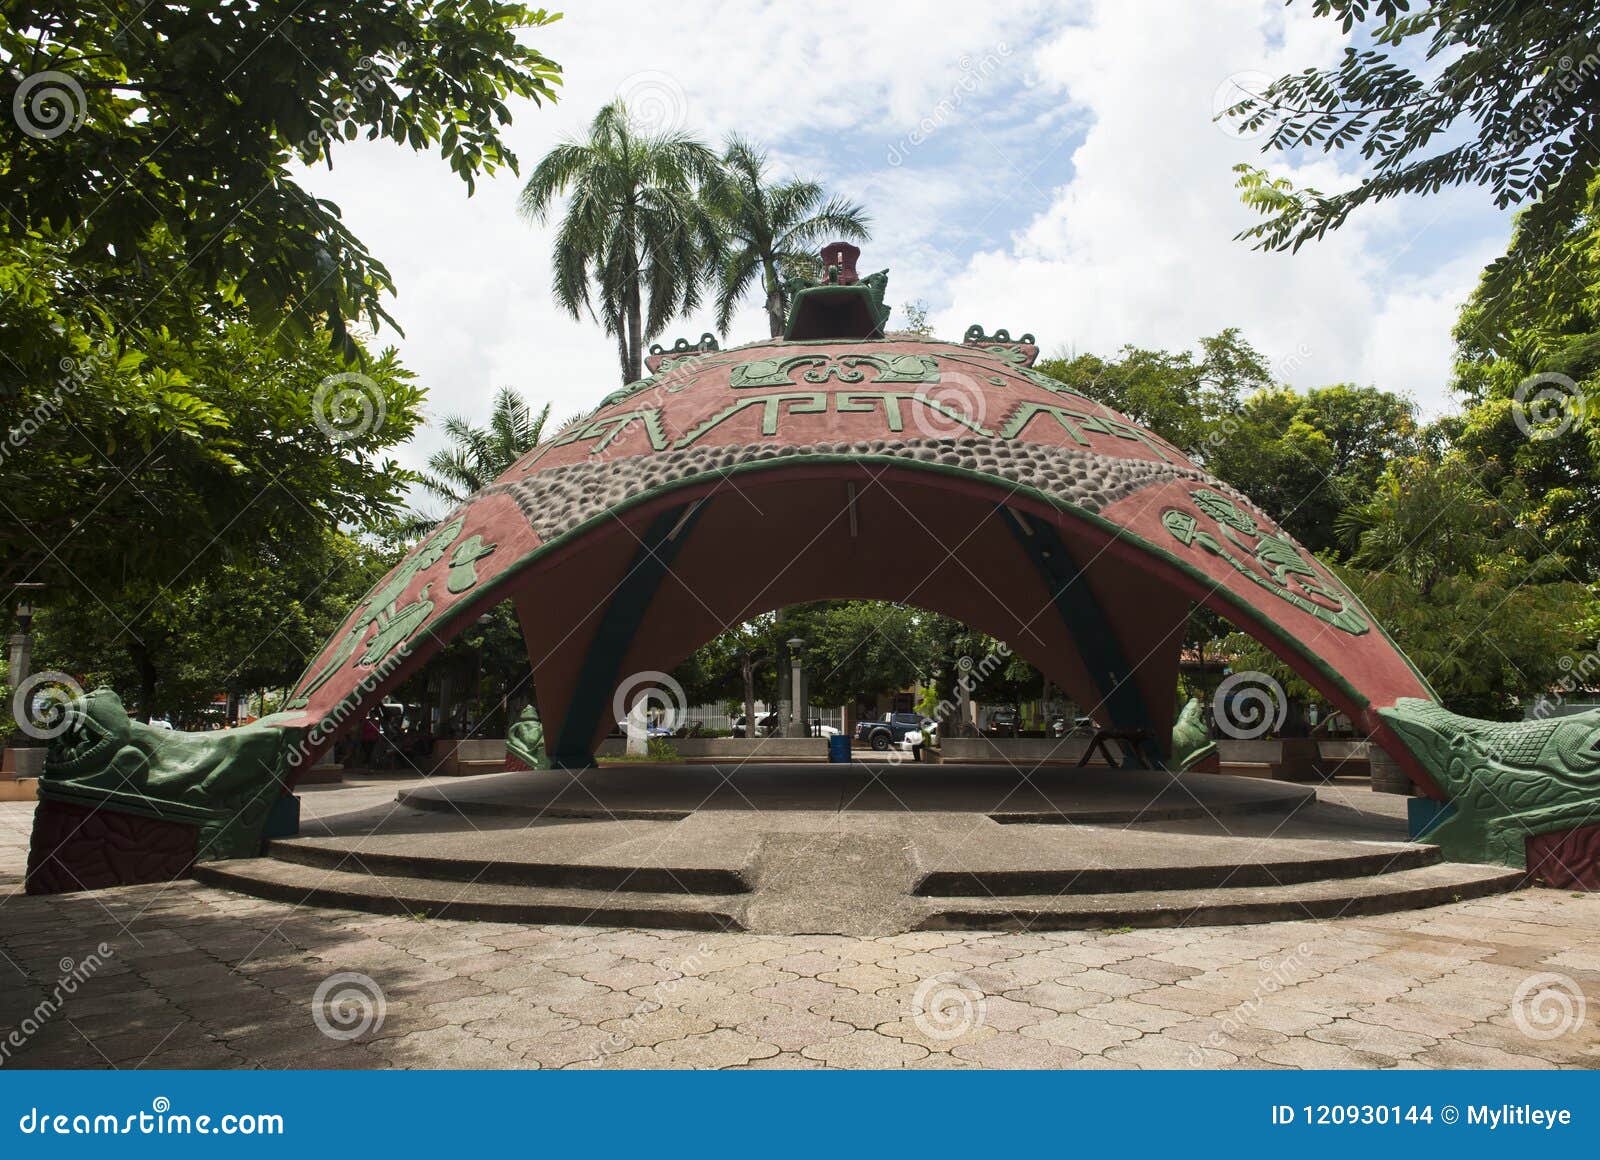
223, 782
1507, 780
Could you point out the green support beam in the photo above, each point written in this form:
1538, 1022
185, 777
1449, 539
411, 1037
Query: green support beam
1119, 693
602, 664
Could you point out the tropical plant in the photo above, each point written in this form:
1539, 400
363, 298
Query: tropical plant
185, 124
477, 455
771, 230
1512, 103
143, 456
634, 241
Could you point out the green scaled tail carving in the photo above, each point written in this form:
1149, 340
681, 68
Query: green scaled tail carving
1191, 740
525, 739
1507, 780
222, 782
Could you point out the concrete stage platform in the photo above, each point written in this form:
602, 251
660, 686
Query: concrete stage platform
865, 849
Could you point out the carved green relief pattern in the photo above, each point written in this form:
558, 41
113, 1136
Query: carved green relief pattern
673, 372
708, 341
607, 429
890, 401
975, 334
464, 564
1075, 423
800, 403
1054, 386
677, 371
1277, 560
848, 369
1507, 780
775, 407
396, 623
395, 627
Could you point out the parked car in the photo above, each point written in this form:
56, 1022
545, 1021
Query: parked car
892, 729
1060, 726
1003, 722
767, 725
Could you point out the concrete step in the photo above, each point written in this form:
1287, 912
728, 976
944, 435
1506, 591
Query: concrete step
510, 871
380, 894
1329, 898
1291, 869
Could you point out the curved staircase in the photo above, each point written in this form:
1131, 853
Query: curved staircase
798, 867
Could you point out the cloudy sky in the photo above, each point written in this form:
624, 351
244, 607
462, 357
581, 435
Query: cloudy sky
1053, 168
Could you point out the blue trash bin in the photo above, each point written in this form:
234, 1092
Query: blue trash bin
839, 749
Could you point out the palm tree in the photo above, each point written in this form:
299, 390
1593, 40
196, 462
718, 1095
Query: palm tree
772, 230
476, 457
635, 227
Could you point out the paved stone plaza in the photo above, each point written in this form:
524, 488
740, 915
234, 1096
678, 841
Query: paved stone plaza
193, 976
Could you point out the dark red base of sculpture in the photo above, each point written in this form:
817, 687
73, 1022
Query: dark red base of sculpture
78, 848
1566, 859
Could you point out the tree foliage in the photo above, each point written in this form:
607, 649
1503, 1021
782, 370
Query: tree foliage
1509, 100
479, 455
182, 124
143, 455
251, 624
769, 229
632, 244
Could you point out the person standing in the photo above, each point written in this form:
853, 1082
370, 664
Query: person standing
369, 740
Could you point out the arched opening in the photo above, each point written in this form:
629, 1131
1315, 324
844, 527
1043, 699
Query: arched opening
652, 588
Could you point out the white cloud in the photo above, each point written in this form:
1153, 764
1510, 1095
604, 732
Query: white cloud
1137, 245
1079, 190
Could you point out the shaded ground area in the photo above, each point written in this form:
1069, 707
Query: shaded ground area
200, 977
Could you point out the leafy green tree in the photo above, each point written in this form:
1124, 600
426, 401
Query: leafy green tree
1502, 95
1528, 370
1180, 397
858, 650
146, 465
181, 125
771, 229
635, 238
172, 407
1307, 457
252, 623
